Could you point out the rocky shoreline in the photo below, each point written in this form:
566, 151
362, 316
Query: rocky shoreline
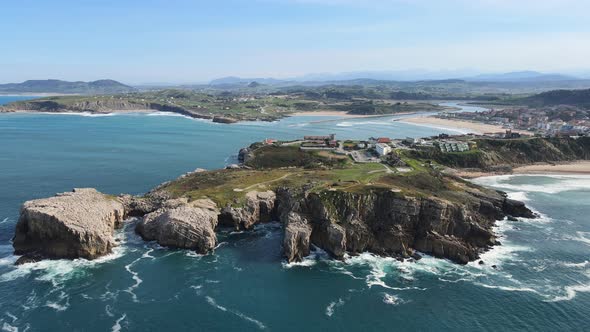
81, 224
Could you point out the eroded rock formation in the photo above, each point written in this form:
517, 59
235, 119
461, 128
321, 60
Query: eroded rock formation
259, 207
69, 225
180, 224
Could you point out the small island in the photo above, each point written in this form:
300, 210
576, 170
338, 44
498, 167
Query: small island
394, 198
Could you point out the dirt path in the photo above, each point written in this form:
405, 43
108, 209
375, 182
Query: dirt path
263, 183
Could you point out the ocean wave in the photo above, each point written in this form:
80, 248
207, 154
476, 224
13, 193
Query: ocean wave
381, 267
571, 292
178, 115
332, 307
308, 261
363, 123
563, 183
5, 220
57, 271
214, 303
87, 114
448, 129
519, 196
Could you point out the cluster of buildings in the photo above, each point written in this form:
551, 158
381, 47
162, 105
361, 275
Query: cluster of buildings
560, 120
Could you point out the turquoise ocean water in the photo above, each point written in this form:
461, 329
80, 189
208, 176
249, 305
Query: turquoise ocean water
542, 281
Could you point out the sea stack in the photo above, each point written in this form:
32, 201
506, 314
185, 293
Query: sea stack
77, 224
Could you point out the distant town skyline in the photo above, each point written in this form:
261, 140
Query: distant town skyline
182, 41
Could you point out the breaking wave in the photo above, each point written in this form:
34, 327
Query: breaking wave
561, 183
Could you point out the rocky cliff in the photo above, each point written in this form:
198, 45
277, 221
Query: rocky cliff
387, 223
70, 225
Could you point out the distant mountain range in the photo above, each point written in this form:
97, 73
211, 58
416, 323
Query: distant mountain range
402, 76
522, 76
65, 87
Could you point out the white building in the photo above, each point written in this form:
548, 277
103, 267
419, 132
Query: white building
383, 149
453, 146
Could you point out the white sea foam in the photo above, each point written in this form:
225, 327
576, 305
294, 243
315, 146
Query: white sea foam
332, 307
168, 114
135, 277
117, 327
576, 265
12, 317
571, 292
449, 129
88, 114
58, 271
198, 289
380, 266
147, 254
391, 299
109, 311
508, 288
193, 254
62, 303
8, 261
9, 328
562, 183
213, 303
5, 220
519, 196
583, 237
308, 261
31, 302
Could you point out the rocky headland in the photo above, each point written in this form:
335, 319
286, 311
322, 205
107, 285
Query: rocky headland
327, 202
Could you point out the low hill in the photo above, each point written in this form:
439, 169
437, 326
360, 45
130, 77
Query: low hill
492, 153
579, 98
65, 87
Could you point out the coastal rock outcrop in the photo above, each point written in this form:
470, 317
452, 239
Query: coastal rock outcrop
77, 224
388, 223
180, 224
258, 207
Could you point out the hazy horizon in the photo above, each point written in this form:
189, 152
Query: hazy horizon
180, 41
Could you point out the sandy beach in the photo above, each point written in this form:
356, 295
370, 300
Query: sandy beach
576, 167
580, 167
464, 126
341, 114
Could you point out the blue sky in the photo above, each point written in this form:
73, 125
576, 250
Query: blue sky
138, 41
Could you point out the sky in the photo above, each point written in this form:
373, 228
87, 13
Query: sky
189, 41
